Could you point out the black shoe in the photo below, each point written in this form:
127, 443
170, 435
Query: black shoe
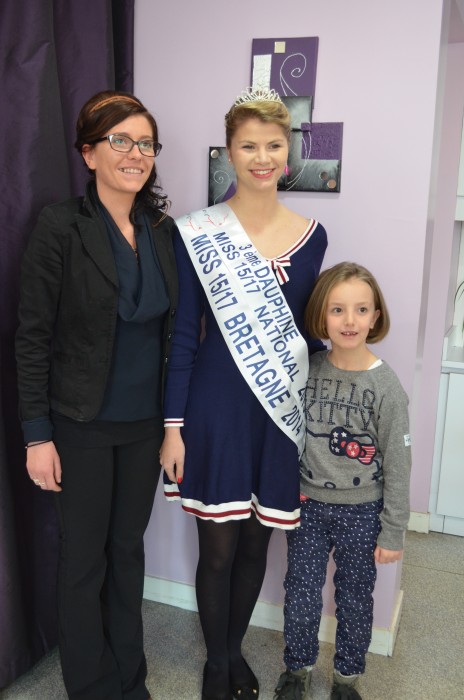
248, 690
293, 685
225, 695
342, 691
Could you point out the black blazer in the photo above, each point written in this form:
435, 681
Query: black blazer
68, 310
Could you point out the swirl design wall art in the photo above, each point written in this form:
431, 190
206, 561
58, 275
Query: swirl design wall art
289, 66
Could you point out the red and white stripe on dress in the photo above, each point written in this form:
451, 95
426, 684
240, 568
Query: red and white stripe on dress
234, 510
173, 422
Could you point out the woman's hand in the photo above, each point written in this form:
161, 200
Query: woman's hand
387, 556
172, 455
44, 466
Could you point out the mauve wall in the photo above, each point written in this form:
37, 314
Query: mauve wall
378, 69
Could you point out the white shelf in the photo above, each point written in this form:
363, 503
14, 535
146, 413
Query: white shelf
459, 216
460, 191
451, 487
453, 354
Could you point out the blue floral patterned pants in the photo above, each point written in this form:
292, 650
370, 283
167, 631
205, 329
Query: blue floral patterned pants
351, 531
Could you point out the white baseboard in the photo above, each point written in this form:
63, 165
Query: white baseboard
419, 522
269, 615
447, 525
437, 522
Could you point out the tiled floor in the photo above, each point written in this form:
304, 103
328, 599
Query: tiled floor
428, 660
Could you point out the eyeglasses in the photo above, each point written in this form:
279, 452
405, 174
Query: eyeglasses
124, 144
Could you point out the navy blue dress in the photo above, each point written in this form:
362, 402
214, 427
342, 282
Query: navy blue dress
237, 459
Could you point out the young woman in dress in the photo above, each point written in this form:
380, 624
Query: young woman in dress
233, 411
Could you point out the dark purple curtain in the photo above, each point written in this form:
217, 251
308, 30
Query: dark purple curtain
54, 55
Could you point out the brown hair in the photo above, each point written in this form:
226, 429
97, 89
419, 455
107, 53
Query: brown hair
267, 111
316, 308
100, 114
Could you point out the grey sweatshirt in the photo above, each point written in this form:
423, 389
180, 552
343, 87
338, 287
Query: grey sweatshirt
357, 442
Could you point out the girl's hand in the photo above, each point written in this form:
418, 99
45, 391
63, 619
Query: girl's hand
387, 556
44, 466
172, 455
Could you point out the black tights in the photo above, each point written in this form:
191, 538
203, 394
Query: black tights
229, 577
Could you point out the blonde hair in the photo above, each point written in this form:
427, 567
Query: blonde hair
267, 111
316, 308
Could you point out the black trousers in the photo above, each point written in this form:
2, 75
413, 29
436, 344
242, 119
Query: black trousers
104, 509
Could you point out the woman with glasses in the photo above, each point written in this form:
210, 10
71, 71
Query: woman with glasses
98, 298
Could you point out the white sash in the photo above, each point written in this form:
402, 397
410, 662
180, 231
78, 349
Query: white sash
252, 313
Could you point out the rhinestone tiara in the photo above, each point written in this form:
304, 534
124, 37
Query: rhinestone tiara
257, 95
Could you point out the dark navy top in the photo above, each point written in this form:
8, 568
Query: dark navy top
133, 390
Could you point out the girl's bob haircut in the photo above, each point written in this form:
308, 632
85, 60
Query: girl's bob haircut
316, 308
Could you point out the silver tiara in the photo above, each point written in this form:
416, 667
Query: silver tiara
257, 95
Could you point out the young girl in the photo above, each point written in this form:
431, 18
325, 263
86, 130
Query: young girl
354, 480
